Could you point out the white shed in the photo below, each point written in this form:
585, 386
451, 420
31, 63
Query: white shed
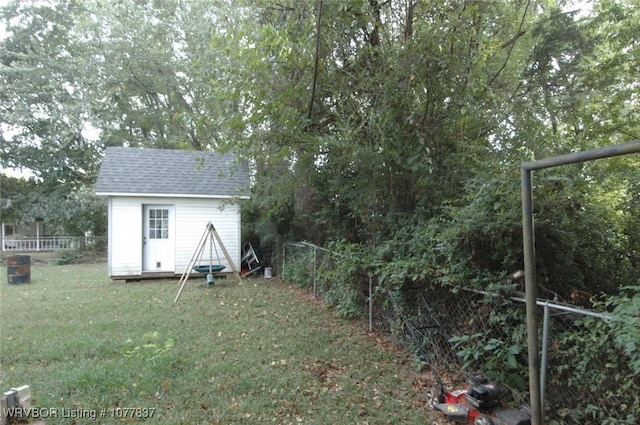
159, 204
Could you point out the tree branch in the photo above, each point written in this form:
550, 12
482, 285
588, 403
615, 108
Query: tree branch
316, 61
511, 43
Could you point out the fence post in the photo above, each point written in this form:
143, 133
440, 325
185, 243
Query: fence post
315, 260
543, 360
526, 168
528, 244
370, 304
284, 258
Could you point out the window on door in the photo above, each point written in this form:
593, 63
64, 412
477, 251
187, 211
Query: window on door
158, 223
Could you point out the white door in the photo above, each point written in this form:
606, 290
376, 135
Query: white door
158, 239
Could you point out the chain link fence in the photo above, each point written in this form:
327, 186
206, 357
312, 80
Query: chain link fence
459, 333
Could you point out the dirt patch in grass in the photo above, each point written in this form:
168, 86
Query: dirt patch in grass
323, 370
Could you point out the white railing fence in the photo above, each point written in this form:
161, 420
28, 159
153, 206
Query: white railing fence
51, 243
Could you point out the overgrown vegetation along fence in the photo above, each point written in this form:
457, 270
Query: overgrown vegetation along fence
590, 360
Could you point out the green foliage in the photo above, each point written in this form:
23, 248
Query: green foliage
407, 153
151, 347
91, 253
347, 301
14, 197
625, 323
343, 278
421, 115
497, 349
298, 268
68, 256
481, 238
588, 346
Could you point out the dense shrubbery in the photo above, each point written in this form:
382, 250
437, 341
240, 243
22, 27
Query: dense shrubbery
476, 245
601, 357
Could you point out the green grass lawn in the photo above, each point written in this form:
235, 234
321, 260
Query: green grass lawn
259, 352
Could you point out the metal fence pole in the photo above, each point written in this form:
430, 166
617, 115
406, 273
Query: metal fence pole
370, 304
545, 349
284, 258
537, 417
315, 260
531, 296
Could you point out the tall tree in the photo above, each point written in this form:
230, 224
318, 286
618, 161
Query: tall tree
81, 75
363, 120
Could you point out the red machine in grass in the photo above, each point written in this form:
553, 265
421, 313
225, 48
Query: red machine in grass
478, 404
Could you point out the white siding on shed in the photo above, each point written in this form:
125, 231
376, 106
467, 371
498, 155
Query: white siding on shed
125, 236
192, 216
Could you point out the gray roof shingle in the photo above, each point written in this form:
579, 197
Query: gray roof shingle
129, 171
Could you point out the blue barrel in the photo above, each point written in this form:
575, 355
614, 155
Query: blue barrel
18, 269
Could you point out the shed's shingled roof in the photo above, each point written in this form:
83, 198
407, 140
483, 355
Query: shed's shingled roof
133, 171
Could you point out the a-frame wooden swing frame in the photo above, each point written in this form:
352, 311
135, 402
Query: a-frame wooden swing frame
210, 234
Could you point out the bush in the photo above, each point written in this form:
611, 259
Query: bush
343, 276
68, 256
298, 267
